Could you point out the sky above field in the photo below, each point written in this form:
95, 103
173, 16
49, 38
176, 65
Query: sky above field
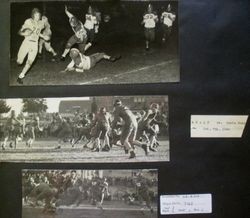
52, 103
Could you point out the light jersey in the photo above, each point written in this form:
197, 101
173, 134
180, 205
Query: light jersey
90, 21
79, 30
103, 119
126, 114
149, 20
35, 26
168, 18
81, 62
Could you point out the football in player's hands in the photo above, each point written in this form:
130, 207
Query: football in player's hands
27, 32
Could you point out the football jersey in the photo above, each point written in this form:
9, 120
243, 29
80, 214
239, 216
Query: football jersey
90, 21
149, 20
126, 114
79, 30
81, 62
35, 26
103, 119
168, 18
150, 116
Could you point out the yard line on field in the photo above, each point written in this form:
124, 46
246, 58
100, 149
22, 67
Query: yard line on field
143, 68
93, 81
128, 72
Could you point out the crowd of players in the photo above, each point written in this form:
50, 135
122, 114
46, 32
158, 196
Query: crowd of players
100, 131
37, 33
55, 188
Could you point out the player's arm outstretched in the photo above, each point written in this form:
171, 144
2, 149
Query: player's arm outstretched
68, 13
70, 67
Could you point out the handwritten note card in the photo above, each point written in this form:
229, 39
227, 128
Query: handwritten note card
186, 204
220, 126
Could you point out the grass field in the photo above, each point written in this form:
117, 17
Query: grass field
110, 210
123, 35
44, 151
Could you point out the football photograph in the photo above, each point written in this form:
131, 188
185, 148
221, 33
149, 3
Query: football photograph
85, 129
89, 193
93, 42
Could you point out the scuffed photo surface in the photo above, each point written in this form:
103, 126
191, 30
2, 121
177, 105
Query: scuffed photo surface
85, 129
110, 42
89, 193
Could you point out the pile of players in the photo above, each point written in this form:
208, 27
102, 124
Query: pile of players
52, 189
121, 128
102, 130
37, 34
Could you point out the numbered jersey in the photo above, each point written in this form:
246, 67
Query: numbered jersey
150, 20
35, 26
168, 18
90, 21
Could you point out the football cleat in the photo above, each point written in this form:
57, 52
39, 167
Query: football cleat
62, 58
115, 58
132, 155
19, 81
152, 149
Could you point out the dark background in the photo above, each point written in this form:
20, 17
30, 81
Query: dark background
123, 35
124, 27
215, 79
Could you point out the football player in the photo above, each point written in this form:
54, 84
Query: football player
102, 123
80, 36
82, 62
129, 128
147, 125
31, 31
12, 129
90, 22
149, 21
167, 19
46, 43
143, 190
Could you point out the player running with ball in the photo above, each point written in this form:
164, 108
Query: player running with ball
31, 31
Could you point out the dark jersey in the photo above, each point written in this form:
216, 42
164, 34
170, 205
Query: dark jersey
126, 114
79, 29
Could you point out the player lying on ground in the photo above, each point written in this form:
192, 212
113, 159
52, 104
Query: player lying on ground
79, 37
46, 43
31, 31
82, 62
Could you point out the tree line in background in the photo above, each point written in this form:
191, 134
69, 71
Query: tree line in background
30, 105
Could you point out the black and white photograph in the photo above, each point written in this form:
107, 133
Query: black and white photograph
89, 193
93, 42
85, 129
